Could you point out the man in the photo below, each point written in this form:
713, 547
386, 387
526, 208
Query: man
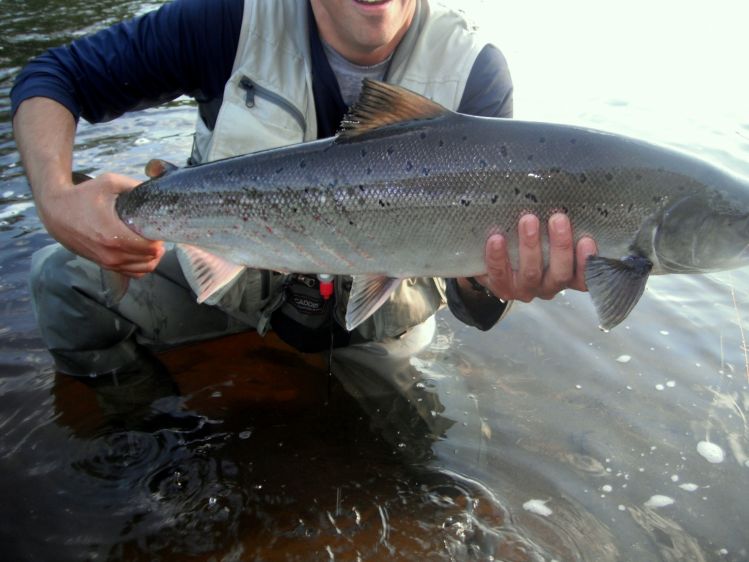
265, 73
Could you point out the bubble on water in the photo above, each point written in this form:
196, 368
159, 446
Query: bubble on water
688, 487
141, 141
671, 384
674, 478
659, 387
711, 452
538, 507
216, 394
8, 194
245, 434
624, 358
658, 500
664, 332
606, 488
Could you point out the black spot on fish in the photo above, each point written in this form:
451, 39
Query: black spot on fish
361, 187
279, 170
555, 170
381, 202
573, 141
530, 157
409, 165
583, 178
351, 222
565, 210
390, 150
494, 198
465, 138
631, 206
465, 202
517, 191
531, 197
294, 209
302, 164
441, 143
638, 177
542, 140
422, 136
363, 152
482, 164
369, 170
609, 176
425, 171
503, 151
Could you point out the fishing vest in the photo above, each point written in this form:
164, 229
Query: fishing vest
268, 102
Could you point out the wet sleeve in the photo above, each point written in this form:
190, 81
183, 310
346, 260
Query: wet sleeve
488, 93
184, 47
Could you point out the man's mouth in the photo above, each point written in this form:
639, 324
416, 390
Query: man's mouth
371, 2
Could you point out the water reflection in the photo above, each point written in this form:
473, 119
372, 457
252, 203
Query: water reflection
180, 481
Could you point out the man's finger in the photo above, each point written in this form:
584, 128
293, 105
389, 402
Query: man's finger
531, 268
499, 274
561, 270
585, 247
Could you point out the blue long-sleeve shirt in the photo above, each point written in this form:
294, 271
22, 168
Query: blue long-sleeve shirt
187, 47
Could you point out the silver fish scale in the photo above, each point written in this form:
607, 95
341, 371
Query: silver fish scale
418, 199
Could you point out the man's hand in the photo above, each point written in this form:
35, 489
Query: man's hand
566, 267
83, 219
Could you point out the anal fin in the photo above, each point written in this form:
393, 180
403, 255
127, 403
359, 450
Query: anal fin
368, 293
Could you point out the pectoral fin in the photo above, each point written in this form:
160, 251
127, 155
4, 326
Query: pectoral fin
615, 286
367, 295
206, 273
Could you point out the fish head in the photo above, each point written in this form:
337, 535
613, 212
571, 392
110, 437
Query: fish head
705, 231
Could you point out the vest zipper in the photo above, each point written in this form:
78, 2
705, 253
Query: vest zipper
252, 89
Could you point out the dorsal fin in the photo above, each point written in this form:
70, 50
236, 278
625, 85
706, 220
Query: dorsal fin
382, 104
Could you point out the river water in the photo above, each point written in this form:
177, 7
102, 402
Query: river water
543, 439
